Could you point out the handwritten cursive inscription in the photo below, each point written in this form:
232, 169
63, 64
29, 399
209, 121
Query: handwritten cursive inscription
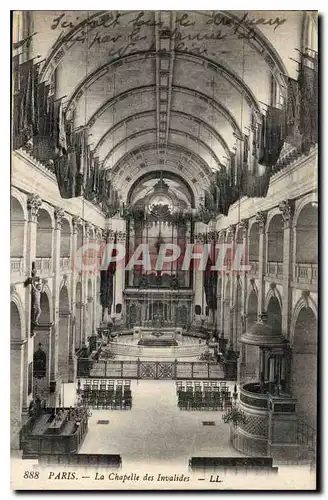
185, 35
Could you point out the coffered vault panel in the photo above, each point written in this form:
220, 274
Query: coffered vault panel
124, 107
125, 129
181, 158
212, 82
176, 160
179, 121
112, 81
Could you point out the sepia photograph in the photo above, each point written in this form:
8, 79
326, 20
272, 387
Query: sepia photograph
164, 250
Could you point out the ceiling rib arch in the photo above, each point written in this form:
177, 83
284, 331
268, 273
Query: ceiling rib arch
174, 148
123, 188
153, 130
211, 65
150, 175
188, 116
151, 88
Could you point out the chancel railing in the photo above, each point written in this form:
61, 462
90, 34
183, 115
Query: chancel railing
138, 369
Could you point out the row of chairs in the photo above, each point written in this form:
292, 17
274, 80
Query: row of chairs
104, 384
106, 399
192, 386
206, 400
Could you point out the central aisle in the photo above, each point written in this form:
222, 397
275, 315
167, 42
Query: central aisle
155, 430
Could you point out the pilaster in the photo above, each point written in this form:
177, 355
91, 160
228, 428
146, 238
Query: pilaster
261, 220
287, 208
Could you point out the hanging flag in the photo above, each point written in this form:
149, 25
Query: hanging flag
308, 81
21, 43
245, 150
210, 284
273, 136
255, 184
26, 101
15, 63
256, 178
59, 128
292, 113
35, 100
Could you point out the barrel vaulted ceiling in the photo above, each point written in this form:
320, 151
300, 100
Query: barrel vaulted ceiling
157, 91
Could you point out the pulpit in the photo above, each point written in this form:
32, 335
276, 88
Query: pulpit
270, 427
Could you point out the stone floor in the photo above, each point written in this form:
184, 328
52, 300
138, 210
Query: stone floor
155, 437
156, 429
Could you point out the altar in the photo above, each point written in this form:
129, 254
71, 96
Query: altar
157, 308
157, 337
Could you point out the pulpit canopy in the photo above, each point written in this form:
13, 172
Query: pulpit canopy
262, 335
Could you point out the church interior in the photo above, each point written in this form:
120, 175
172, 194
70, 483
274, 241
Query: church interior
155, 134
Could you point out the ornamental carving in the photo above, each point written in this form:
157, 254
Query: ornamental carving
121, 236
213, 236
109, 235
231, 230
76, 221
287, 209
243, 225
261, 218
59, 215
33, 205
201, 237
87, 229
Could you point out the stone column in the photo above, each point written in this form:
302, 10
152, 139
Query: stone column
223, 283
34, 203
87, 306
76, 222
130, 249
55, 375
241, 314
46, 387
109, 236
261, 220
120, 277
287, 208
231, 233
65, 354
198, 274
17, 374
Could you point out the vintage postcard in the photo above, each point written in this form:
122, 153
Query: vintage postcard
164, 266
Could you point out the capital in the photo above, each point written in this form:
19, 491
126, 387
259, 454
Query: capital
243, 225
261, 218
201, 237
287, 209
99, 233
109, 235
76, 221
213, 235
231, 229
34, 203
59, 215
87, 229
121, 236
